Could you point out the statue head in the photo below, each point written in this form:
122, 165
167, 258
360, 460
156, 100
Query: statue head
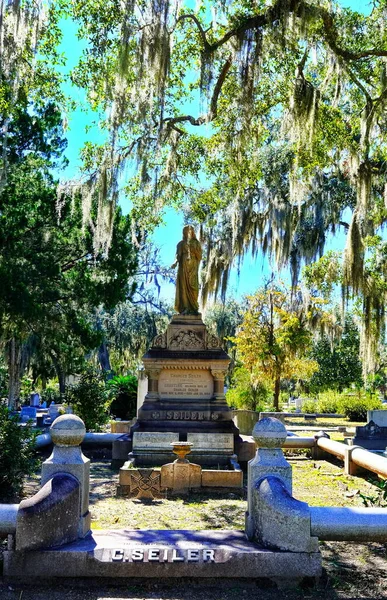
188, 232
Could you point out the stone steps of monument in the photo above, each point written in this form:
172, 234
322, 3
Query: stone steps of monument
162, 553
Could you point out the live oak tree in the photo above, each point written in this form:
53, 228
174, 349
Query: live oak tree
291, 132
274, 339
288, 136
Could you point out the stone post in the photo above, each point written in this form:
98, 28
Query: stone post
269, 435
317, 452
67, 433
153, 384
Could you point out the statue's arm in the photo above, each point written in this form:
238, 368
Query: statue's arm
178, 254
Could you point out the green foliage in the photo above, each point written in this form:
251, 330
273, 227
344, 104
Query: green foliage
339, 365
17, 457
51, 394
354, 406
309, 406
26, 388
246, 393
128, 331
380, 499
90, 400
123, 393
273, 340
52, 277
328, 402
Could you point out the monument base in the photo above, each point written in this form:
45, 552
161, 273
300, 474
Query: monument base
163, 554
208, 449
186, 367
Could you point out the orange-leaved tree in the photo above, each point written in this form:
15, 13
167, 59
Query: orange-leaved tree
274, 339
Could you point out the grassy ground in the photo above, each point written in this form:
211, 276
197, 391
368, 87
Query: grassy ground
319, 483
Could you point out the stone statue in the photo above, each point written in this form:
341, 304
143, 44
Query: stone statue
188, 257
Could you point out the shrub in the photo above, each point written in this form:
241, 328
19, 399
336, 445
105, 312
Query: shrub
328, 402
246, 394
90, 400
123, 392
51, 394
309, 406
17, 456
355, 407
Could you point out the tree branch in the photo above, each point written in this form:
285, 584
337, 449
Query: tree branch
202, 33
213, 112
272, 15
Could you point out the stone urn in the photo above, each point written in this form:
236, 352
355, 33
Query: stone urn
181, 449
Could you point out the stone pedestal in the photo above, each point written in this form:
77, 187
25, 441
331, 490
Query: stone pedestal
67, 432
186, 368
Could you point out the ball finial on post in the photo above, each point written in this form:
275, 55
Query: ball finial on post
269, 433
67, 430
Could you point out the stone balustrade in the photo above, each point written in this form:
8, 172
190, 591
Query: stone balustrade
277, 520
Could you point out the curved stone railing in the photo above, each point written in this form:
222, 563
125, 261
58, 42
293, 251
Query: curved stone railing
277, 520
60, 510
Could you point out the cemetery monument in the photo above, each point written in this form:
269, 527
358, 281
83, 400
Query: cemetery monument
186, 367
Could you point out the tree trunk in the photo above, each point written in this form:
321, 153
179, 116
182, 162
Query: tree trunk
60, 374
104, 360
14, 365
277, 393
62, 381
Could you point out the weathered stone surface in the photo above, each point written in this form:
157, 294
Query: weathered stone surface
8, 518
28, 413
371, 436
186, 369
246, 449
245, 420
222, 478
139, 483
50, 517
281, 522
379, 417
158, 554
269, 434
186, 383
67, 432
153, 440
181, 476
222, 443
120, 450
121, 426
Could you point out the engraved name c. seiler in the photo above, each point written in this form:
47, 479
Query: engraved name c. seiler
163, 555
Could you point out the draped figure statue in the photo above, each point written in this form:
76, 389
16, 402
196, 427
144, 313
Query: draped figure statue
188, 257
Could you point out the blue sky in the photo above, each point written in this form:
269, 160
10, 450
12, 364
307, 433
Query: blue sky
253, 271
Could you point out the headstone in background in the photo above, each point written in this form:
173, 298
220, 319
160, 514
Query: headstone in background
27, 413
34, 399
370, 436
379, 417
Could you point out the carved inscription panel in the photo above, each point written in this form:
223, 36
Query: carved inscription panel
185, 383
